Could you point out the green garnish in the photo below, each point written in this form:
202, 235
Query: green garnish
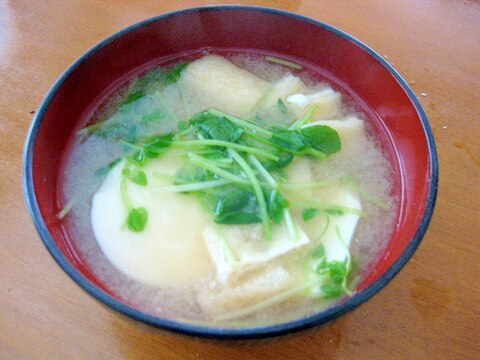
283, 62
281, 105
309, 213
305, 119
137, 219
248, 171
172, 75
216, 127
238, 206
276, 205
283, 161
316, 140
338, 271
210, 166
333, 277
327, 281
135, 108
186, 188
246, 125
327, 208
136, 176
133, 97
318, 252
235, 166
152, 116
290, 140
322, 138
138, 158
331, 291
157, 145
101, 172
334, 211
229, 145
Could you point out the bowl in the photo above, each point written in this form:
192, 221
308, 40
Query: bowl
359, 71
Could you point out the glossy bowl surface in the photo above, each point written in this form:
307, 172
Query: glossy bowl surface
350, 65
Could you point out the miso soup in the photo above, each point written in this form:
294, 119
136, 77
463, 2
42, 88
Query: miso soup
231, 190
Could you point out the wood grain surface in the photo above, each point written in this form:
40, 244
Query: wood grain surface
430, 310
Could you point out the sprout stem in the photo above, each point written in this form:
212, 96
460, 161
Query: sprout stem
292, 231
258, 192
265, 174
304, 119
230, 145
204, 163
242, 123
283, 62
193, 186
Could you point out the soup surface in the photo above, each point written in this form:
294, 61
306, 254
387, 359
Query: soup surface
232, 190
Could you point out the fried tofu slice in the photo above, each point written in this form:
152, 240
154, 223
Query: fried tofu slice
235, 249
221, 300
214, 82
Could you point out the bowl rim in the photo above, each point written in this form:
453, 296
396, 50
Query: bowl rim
304, 322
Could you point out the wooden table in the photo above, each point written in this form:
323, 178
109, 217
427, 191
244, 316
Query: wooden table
430, 311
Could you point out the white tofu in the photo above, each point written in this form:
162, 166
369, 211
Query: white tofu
215, 82
167, 252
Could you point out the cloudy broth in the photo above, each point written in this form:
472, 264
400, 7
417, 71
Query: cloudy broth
360, 171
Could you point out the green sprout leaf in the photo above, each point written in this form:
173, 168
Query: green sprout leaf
137, 219
152, 77
276, 205
338, 271
237, 206
321, 267
282, 106
133, 97
172, 75
192, 174
152, 116
138, 177
331, 291
318, 252
138, 158
322, 138
309, 213
288, 139
216, 127
182, 125
283, 161
157, 145
101, 172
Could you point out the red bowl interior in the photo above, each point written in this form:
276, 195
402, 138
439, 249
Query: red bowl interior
386, 100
